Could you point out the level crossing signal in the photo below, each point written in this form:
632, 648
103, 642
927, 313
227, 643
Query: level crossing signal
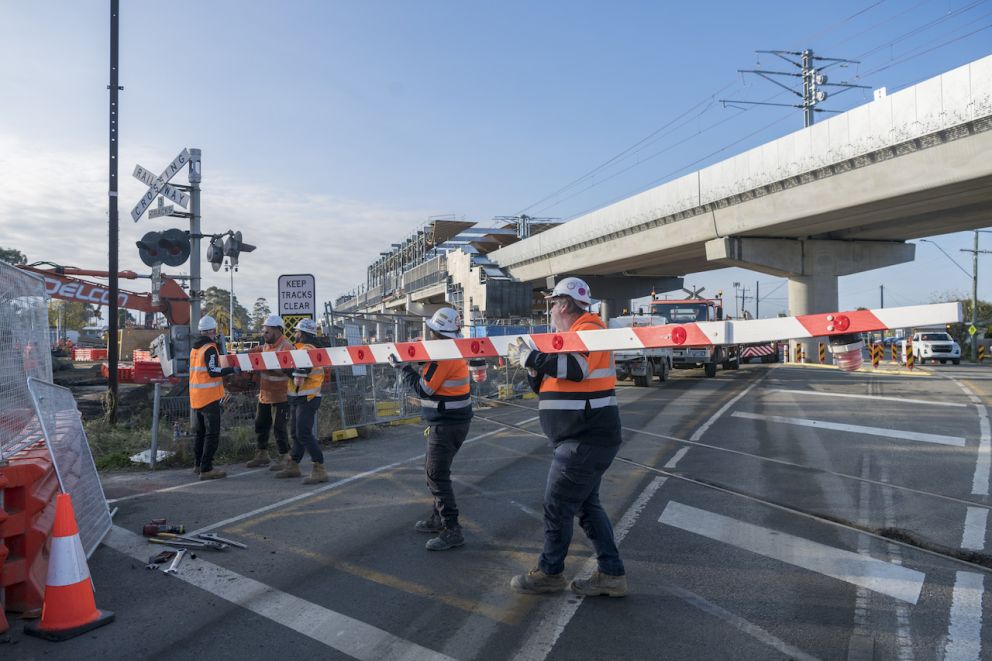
170, 247
234, 246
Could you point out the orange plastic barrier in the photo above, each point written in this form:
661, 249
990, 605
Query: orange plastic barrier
89, 354
30, 487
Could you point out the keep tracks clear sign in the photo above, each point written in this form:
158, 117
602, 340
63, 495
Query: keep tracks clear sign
298, 295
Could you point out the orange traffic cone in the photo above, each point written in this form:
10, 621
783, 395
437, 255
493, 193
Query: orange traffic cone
69, 608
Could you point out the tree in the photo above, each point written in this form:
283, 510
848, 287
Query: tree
12, 256
216, 303
259, 313
75, 314
960, 331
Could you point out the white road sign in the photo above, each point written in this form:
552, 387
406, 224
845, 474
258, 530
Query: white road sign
157, 185
297, 295
161, 209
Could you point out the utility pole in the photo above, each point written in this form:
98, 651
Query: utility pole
881, 296
195, 176
974, 290
757, 298
113, 348
812, 78
737, 309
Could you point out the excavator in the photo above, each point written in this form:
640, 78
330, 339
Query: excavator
60, 282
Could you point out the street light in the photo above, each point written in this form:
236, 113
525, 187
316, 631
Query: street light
230, 299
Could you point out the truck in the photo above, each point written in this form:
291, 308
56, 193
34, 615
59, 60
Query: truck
691, 310
643, 364
933, 345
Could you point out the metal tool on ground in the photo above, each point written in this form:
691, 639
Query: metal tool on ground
200, 544
159, 559
216, 546
212, 537
174, 567
152, 529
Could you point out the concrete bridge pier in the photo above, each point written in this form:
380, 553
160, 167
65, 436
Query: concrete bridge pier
812, 267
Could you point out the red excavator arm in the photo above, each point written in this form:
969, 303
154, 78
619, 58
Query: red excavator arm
59, 283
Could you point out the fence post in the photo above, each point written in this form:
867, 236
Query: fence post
155, 411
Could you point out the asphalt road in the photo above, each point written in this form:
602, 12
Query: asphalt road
753, 511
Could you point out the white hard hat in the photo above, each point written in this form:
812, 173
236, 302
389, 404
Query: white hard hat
576, 288
445, 321
307, 326
207, 323
273, 320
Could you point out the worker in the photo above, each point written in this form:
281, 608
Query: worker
579, 415
206, 389
304, 402
273, 403
443, 388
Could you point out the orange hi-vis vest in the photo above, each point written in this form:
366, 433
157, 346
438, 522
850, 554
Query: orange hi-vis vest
310, 387
445, 391
274, 385
203, 388
596, 390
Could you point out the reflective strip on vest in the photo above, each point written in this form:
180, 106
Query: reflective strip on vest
426, 387
576, 404
313, 391
452, 404
199, 386
454, 383
197, 369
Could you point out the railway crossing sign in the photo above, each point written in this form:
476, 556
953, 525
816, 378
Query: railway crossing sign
160, 185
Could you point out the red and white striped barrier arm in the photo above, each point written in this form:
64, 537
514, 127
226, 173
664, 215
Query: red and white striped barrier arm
701, 334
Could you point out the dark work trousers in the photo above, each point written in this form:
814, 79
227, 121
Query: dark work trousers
207, 435
443, 442
302, 413
265, 420
573, 488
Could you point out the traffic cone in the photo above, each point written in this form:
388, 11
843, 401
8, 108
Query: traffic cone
69, 608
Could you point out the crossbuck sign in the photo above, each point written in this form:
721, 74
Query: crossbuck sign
160, 185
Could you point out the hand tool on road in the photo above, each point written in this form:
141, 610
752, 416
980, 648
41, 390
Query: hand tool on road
161, 558
200, 544
216, 546
152, 529
176, 561
215, 538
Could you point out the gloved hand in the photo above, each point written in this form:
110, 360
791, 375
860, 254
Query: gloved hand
518, 352
394, 362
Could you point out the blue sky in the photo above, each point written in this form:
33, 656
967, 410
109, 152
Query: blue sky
330, 129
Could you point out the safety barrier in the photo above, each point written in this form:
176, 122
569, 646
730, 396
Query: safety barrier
28, 487
89, 355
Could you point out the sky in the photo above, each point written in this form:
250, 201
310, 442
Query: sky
330, 129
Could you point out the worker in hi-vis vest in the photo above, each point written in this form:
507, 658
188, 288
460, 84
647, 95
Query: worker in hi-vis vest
206, 389
304, 402
579, 414
272, 413
446, 407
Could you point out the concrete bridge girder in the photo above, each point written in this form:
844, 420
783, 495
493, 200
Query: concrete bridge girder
811, 265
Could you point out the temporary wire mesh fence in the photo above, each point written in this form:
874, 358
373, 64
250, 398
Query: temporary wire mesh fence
24, 352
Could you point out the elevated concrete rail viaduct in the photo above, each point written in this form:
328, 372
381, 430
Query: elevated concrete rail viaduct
840, 197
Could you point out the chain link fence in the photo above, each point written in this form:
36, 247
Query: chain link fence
24, 352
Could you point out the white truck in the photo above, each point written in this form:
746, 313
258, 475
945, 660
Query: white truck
933, 345
692, 310
641, 365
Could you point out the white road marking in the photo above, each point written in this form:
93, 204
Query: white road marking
956, 441
904, 632
859, 646
975, 524
983, 463
882, 577
698, 434
335, 630
964, 631
739, 623
561, 609
177, 487
677, 457
327, 487
896, 400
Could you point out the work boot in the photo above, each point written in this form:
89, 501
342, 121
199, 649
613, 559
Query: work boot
212, 474
196, 470
537, 582
292, 469
600, 584
448, 539
280, 463
317, 475
432, 524
261, 459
